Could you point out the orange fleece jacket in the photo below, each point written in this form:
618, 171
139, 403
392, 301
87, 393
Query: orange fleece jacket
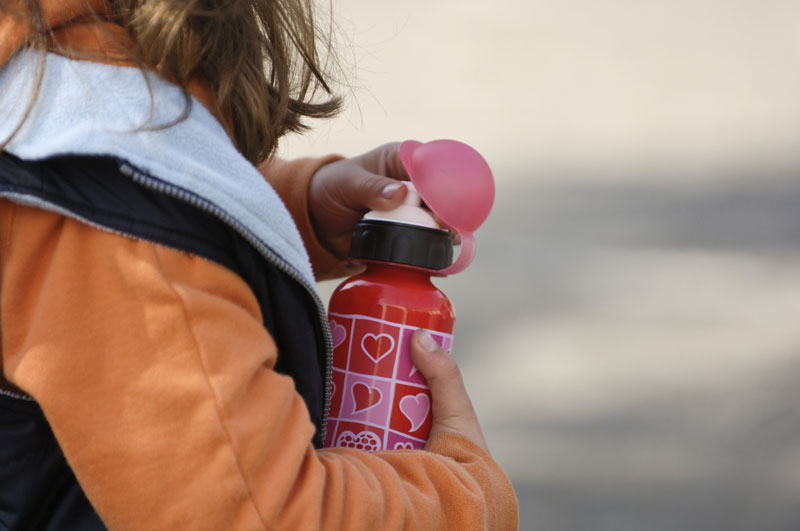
154, 370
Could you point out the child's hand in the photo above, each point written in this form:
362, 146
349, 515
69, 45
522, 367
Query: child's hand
450, 405
341, 192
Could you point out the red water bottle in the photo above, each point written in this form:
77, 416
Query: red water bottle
379, 401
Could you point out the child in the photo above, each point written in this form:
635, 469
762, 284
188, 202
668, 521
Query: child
164, 353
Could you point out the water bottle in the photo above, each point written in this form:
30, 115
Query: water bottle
379, 401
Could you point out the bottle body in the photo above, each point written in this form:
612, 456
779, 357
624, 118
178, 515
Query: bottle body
379, 401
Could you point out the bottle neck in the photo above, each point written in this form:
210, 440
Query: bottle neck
400, 272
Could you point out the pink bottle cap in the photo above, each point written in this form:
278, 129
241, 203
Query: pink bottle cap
456, 183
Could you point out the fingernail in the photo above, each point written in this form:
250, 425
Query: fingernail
390, 189
427, 342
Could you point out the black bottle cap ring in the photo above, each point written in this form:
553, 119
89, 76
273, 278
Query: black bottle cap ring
400, 243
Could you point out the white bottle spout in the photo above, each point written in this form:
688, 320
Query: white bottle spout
409, 212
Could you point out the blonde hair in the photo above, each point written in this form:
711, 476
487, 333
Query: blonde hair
259, 57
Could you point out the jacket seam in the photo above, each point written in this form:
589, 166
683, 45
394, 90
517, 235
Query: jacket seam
146, 234
212, 390
102, 216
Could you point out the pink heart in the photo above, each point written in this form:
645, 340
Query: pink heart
376, 346
338, 332
416, 409
403, 446
364, 397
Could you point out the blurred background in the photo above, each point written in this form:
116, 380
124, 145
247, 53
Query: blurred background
629, 329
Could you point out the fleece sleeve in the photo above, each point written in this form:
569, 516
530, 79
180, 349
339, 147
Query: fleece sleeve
155, 373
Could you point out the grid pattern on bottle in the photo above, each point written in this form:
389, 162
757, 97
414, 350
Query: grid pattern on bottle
376, 389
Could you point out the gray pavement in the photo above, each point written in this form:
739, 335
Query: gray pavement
634, 353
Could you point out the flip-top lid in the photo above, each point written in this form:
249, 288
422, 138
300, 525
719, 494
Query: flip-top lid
456, 183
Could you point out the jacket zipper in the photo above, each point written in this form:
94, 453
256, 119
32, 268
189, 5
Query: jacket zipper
18, 396
160, 186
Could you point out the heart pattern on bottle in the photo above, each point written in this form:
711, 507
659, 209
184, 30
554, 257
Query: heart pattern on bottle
365, 397
378, 398
338, 333
377, 346
415, 408
364, 440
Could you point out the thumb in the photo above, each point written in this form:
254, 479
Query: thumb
366, 190
451, 407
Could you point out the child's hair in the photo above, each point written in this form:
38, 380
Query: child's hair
259, 58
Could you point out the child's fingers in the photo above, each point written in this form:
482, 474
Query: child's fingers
362, 190
451, 407
385, 160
